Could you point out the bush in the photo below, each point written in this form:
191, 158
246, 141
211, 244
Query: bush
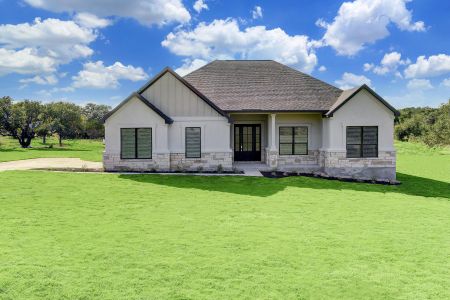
428, 125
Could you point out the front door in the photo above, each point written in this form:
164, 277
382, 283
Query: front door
247, 142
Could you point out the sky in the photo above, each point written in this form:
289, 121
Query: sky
101, 51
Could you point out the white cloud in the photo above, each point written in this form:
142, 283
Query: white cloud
147, 12
419, 84
321, 23
97, 75
389, 64
434, 65
60, 40
190, 65
49, 92
43, 45
91, 21
257, 12
223, 39
363, 22
200, 5
367, 67
25, 61
350, 80
322, 69
42, 80
446, 82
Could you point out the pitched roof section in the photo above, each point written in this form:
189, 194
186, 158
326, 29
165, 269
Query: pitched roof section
349, 94
188, 85
166, 118
262, 86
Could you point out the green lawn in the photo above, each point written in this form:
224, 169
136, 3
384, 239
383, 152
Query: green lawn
85, 236
90, 150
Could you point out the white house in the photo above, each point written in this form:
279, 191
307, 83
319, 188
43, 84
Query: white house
229, 112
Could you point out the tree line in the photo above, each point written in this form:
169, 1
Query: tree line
27, 119
424, 124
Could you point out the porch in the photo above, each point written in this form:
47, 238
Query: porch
255, 141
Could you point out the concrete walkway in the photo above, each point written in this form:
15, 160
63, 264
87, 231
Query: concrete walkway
50, 163
249, 169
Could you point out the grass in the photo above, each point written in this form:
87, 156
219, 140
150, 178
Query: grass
419, 160
90, 150
85, 236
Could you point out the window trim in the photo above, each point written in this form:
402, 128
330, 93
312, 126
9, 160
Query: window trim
136, 143
361, 144
293, 140
185, 142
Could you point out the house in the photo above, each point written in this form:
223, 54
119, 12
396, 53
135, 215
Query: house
230, 112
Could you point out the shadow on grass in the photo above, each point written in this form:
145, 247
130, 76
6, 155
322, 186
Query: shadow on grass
264, 187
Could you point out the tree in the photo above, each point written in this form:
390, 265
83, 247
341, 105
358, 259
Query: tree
66, 120
45, 129
410, 128
425, 124
20, 120
5, 112
93, 114
439, 133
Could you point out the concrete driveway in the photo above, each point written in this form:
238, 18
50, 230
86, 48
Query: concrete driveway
50, 163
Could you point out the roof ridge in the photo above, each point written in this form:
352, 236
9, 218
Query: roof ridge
243, 60
310, 76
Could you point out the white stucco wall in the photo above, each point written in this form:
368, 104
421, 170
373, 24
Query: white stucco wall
312, 121
362, 110
215, 133
135, 114
172, 97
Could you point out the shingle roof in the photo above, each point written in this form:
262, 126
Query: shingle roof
262, 85
343, 97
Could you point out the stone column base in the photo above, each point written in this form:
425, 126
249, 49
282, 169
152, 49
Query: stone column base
272, 158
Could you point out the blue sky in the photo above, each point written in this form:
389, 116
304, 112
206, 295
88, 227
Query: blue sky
100, 51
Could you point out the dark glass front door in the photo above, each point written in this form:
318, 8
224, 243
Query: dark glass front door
247, 142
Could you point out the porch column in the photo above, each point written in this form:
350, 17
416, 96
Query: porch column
273, 144
272, 153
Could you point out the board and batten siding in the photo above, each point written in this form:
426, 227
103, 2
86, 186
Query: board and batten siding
172, 97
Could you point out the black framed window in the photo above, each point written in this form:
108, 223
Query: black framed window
293, 140
362, 141
136, 143
193, 142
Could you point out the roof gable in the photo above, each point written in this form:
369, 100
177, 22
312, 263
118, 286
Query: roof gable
349, 94
155, 79
166, 118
